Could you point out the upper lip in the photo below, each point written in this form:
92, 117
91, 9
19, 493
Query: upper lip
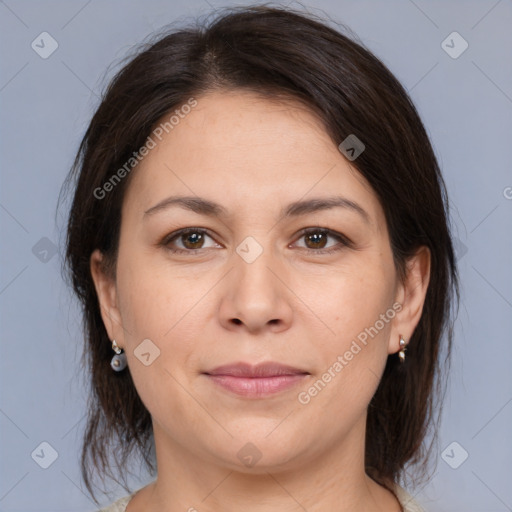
269, 369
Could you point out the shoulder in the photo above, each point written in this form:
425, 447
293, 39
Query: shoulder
119, 505
407, 501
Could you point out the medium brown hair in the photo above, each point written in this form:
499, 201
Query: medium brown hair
276, 53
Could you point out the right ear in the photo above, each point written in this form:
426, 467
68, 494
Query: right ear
107, 295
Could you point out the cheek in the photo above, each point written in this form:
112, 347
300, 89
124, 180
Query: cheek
356, 306
153, 300
349, 298
157, 313
163, 307
353, 358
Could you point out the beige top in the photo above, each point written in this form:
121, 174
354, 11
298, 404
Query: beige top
405, 499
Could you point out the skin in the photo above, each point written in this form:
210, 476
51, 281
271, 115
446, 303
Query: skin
291, 305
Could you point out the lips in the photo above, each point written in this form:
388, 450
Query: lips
256, 371
256, 381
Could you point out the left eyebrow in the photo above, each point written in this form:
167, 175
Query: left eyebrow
325, 203
204, 206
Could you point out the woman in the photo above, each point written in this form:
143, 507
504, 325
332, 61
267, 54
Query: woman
259, 239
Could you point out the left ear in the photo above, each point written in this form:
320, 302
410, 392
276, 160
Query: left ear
411, 295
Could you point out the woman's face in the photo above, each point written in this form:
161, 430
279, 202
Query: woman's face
247, 285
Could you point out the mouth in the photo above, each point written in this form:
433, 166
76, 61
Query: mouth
256, 381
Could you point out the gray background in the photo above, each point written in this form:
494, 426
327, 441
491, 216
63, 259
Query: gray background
466, 105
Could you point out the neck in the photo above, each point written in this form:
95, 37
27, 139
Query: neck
334, 481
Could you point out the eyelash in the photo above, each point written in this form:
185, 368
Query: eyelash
308, 231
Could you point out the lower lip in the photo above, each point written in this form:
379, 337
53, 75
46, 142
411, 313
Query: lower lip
257, 387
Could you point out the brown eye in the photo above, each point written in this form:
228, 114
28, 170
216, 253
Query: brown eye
192, 239
316, 240
188, 240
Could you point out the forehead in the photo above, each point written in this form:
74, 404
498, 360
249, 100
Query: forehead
236, 147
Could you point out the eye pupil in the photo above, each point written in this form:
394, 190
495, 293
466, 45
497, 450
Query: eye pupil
319, 239
192, 238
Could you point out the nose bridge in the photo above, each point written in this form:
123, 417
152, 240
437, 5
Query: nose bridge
255, 297
252, 261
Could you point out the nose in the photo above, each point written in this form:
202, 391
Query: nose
255, 297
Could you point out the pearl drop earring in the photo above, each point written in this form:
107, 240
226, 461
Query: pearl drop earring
118, 362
